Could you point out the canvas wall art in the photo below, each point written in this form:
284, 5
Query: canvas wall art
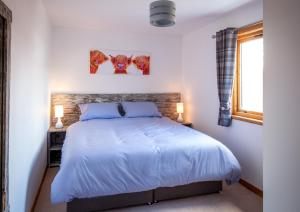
119, 62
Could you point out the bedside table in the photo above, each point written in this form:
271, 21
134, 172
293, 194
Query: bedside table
55, 142
187, 124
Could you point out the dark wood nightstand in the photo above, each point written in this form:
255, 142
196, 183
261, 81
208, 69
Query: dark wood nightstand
55, 141
187, 124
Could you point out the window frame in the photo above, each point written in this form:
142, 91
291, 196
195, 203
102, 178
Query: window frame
245, 34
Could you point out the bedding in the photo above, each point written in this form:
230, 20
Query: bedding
140, 109
103, 110
103, 157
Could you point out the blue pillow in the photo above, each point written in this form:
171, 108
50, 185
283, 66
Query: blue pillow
103, 110
140, 109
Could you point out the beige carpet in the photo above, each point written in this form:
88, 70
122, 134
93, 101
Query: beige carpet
234, 198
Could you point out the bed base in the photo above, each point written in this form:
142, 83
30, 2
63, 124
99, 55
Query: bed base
145, 197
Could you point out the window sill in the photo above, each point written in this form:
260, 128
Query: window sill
246, 119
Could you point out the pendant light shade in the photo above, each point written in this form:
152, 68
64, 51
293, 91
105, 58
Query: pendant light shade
162, 13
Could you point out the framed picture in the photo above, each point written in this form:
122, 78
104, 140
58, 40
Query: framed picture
119, 62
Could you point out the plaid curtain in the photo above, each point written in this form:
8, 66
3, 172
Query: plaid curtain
226, 51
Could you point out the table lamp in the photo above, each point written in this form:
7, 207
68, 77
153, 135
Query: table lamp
179, 111
59, 112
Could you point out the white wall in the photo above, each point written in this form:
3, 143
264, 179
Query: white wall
281, 106
201, 97
28, 102
69, 67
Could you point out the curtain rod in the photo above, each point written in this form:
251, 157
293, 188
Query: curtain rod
245, 26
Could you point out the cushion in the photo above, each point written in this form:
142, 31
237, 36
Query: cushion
140, 109
103, 110
121, 109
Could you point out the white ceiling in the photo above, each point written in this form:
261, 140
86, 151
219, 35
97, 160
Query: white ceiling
133, 15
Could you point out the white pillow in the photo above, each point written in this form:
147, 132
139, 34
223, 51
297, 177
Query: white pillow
140, 109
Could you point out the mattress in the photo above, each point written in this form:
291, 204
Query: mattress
104, 157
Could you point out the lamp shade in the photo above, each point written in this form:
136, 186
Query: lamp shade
162, 13
179, 107
59, 111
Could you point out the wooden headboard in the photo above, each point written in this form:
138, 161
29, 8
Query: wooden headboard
166, 103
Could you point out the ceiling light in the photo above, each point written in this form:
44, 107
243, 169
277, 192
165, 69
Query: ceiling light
162, 13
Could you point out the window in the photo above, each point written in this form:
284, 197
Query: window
248, 83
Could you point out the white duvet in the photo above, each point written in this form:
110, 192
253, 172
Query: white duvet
113, 156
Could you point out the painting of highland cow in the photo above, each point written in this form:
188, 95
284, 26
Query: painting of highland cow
96, 59
142, 63
119, 62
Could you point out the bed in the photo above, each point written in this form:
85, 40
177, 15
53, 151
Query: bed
111, 163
